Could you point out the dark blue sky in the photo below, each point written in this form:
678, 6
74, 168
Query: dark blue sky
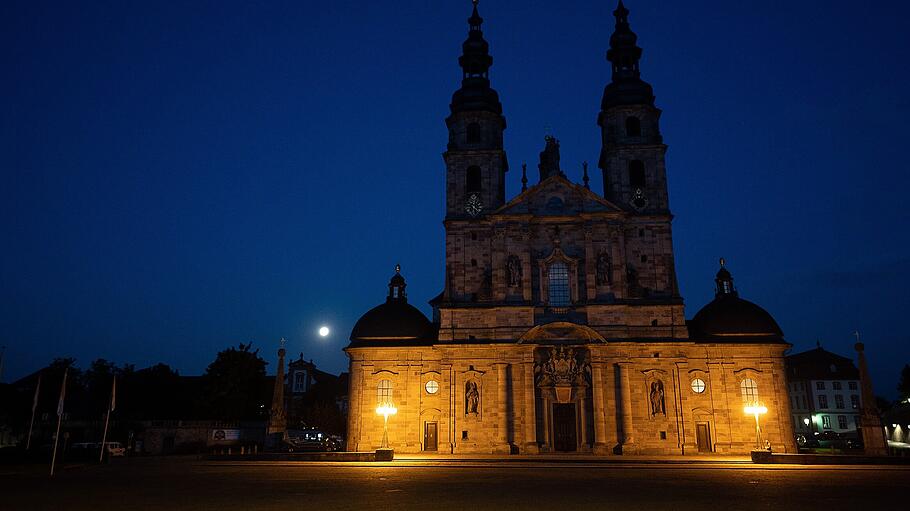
178, 177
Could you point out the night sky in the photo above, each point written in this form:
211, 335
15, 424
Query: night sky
179, 177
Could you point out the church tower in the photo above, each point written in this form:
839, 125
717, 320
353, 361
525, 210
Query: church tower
632, 151
475, 160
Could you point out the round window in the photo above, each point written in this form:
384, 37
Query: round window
698, 385
432, 387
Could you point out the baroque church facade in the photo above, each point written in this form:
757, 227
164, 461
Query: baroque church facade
561, 326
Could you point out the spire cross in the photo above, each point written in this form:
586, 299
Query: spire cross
524, 176
584, 165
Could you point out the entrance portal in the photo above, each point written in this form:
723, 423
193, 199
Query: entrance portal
564, 436
703, 436
430, 441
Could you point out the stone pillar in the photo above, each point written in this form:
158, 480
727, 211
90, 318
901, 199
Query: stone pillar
625, 397
355, 388
600, 433
582, 418
874, 442
547, 446
530, 415
590, 264
502, 408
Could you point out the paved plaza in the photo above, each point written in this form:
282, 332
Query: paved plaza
190, 484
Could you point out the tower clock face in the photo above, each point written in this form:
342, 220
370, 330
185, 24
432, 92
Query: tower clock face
473, 206
639, 202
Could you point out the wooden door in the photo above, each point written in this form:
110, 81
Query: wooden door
564, 434
430, 437
703, 437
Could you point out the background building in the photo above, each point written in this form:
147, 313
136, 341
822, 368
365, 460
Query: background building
824, 392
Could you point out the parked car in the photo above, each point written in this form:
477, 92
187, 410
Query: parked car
309, 440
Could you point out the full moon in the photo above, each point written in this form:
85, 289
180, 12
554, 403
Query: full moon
323, 331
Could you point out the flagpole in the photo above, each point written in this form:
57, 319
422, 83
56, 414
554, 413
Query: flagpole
107, 418
59, 419
31, 424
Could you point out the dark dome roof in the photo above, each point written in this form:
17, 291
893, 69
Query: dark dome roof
728, 317
395, 320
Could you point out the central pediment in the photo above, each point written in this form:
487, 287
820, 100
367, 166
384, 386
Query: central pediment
557, 196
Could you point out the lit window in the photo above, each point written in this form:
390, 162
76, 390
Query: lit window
384, 393
842, 421
698, 385
823, 401
432, 387
826, 422
749, 390
839, 401
559, 285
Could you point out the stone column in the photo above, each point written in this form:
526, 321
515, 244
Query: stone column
582, 418
530, 415
355, 388
547, 446
600, 433
625, 396
874, 442
590, 264
502, 408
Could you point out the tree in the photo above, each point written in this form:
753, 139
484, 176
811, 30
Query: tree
903, 385
235, 385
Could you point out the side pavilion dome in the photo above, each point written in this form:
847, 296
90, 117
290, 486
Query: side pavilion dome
395, 322
730, 318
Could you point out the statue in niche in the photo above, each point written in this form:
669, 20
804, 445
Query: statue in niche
604, 275
513, 268
657, 398
471, 397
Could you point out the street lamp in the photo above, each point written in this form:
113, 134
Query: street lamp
385, 409
756, 409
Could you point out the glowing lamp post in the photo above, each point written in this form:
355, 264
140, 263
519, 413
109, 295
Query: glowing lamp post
756, 409
385, 409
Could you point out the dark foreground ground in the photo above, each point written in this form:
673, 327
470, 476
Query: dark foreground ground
187, 484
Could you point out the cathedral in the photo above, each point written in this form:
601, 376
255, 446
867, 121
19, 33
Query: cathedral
561, 327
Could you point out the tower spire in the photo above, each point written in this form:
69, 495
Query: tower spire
475, 93
627, 87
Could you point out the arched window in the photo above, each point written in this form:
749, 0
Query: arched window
558, 285
473, 180
472, 136
636, 174
384, 392
749, 390
633, 127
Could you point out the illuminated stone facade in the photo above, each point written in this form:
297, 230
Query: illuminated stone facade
561, 327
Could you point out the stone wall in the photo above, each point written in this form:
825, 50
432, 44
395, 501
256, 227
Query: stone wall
510, 413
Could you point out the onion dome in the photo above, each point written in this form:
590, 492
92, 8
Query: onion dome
730, 318
626, 87
475, 93
395, 321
